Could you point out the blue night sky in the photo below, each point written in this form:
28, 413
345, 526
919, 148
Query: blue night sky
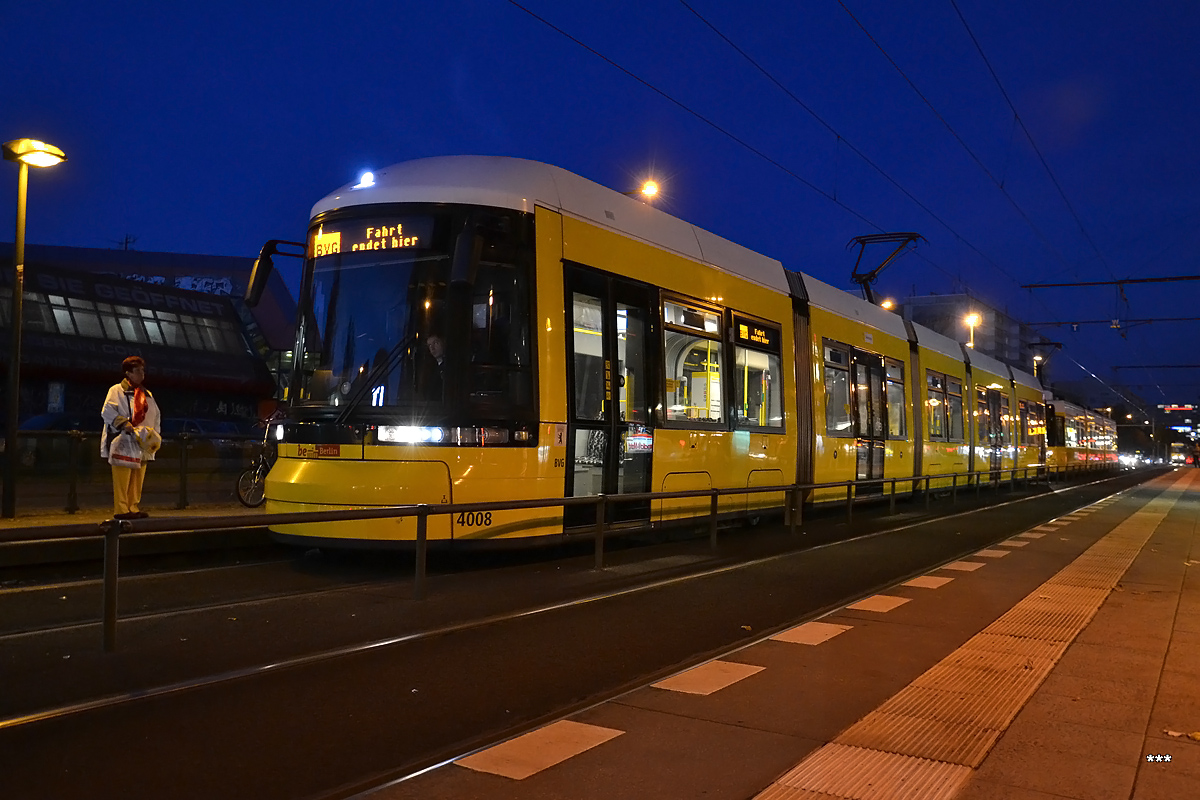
212, 129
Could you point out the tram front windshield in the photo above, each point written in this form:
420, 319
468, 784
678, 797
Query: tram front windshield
395, 327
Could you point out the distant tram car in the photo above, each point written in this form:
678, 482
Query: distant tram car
476, 329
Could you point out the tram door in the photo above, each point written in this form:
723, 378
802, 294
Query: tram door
870, 417
610, 431
990, 434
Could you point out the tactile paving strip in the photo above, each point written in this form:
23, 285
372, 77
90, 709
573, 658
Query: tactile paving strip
925, 741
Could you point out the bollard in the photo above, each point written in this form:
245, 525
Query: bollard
712, 520
112, 547
422, 547
73, 470
600, 509
184, 445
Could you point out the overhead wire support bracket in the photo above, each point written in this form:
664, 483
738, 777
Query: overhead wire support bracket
865, 279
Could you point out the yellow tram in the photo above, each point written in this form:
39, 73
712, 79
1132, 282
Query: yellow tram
477, 329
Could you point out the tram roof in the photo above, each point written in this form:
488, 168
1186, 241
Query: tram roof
521, 184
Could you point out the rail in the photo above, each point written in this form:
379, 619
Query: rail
111, 530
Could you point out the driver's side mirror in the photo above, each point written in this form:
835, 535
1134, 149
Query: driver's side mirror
264, 265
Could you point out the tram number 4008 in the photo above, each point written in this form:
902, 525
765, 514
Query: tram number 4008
474, 519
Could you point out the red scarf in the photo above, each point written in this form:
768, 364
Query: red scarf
139, 406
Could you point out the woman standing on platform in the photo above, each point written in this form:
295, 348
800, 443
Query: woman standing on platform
132, 435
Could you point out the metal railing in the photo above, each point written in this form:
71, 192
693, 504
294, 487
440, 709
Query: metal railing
111, 530
187, 442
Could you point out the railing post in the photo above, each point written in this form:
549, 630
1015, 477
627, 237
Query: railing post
849, 502
600, 515
794, 506
954, 488
73, 470
421, 552
892, 499
184, 445
927, 492
112, 552
978, 484
712, 519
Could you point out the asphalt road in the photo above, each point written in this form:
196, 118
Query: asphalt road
325, 726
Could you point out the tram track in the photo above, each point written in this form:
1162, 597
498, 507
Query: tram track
641, 572
441, 670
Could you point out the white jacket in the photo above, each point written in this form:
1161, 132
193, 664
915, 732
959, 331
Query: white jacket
118, 409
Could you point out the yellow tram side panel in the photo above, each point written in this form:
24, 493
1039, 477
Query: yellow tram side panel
990, 380
945, 457
689, 459
400, 475
834, 457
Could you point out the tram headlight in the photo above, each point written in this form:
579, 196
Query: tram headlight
409, 434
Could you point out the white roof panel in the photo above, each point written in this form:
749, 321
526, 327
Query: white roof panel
830, 298
932, 340
521, 184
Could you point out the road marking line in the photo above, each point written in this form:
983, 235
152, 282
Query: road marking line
927, 582
811, 633
708, 678
535, 751
1012, 543
963, 566
1030, 535
990, 553
879, 602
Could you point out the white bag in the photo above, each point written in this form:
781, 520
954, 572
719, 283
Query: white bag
125, 452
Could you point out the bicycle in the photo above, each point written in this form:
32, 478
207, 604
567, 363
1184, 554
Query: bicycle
252, 482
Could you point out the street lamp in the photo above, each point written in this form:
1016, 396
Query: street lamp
27, 153
972, 320
646, 193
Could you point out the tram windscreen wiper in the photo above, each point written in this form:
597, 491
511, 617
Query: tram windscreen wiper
380, 369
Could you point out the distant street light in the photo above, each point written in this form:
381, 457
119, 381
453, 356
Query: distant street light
888, 304
647, 192
972, 320
27, 153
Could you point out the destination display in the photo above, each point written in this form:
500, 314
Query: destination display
755, 334
396, 233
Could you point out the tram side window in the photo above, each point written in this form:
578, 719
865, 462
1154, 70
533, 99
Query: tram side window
1005, 421
587, 320
756, 389
837, 392
692, 344
983, 417
896, 407
1037, 424
935, 406
1072, 437
1022, 422
954, 407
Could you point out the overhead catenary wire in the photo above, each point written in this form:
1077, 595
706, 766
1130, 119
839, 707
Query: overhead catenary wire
1029, 136
764, 156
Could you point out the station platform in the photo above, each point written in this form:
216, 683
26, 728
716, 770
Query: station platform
1063, 662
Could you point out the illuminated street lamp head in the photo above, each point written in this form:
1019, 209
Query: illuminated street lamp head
889, 304
972, 319
33, 153
650, 190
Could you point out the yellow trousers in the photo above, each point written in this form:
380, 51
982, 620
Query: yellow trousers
127, 488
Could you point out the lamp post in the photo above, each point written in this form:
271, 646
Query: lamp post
27, 153
647, 192
972, 320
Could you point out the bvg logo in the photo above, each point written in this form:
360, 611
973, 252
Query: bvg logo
326, 244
